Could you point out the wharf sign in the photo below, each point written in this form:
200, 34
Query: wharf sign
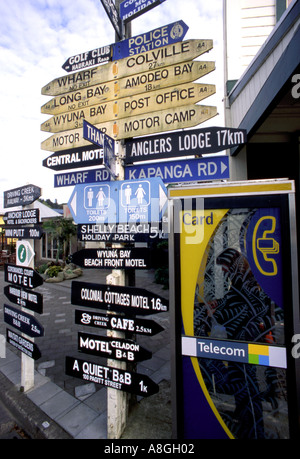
152, 123
157, 38
121, 232
136, 258
163, 99
145, 82
81, 177
191, 142
19, 232
112, 348
25, 298
115, 378
22, 217
117, 323
22, 344
24, 322
22, 196
131, 9
24, 277
116, 298
151, 60
193, 170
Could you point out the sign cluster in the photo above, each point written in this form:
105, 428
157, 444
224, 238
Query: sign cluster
23, 225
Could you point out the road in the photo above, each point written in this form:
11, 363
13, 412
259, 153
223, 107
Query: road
9, 430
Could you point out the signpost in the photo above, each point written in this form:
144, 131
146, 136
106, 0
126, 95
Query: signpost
26, 323
116, 298
113, 348
22, 217
132, 9
132, 258
22, 196
117, 322
24, 345
24, 253
110, 232
110, 377
25, 298
192, 142
144, 82
88, 156
114, 17
81, 177
20, 232
193, 170
24, 277
163, 57
88, 59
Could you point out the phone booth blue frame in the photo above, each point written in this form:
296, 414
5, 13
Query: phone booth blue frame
234, 305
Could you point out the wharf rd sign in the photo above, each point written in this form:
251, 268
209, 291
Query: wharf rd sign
22, 196
118, 323
88, 59
24, 277
136, 258
88, 156
163, 99
116, 298
112, 348
115, 378
122, 232
22, 344
193, 170
113, 16
157, 38
25, 298
81, 177
181, 73
151, 60
23, 322
191, 142
22, 217
19, 232
131, 9
152, 123
119, 202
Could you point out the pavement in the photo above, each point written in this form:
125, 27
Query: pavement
63, 407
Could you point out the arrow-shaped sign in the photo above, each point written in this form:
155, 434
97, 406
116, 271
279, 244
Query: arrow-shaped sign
131, 10
22, 344
24, 277
25, 298
113, 16
24, 322
88, 59
25, 253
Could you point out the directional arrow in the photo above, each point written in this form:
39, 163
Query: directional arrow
24, 322
22, 344
25, 253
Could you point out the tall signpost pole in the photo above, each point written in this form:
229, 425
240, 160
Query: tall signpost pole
117, 401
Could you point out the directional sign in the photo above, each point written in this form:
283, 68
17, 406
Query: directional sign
22, 196
118, 323
191, 142
88, 59
113, 16
110, 232
81, 177
19, 232
137, 258
24, 322
25, 298
116, 298
24, 253
160, 121
112, 348
115, 378
132, 9
156, 59
24, 277
193, 170
158, 78
22, 344
72, 159
163, 99
22, 217
121, 201
157, 38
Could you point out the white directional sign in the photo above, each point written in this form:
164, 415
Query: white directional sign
24, 252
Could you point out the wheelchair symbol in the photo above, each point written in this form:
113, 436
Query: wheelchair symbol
267, 246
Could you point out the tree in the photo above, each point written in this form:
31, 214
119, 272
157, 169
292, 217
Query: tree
63, 229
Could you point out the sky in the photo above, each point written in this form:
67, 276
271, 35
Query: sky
36, 38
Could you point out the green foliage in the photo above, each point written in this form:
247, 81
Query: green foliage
53, 271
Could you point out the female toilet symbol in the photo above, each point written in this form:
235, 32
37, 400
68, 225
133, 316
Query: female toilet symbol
140, 193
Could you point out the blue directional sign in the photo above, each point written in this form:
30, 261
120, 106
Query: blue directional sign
193, 170
82, 176
119, 202
157, 38
131, 9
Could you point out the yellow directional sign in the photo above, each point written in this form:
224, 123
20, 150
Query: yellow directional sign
181, 73
161, 121
151, 60
178, 96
